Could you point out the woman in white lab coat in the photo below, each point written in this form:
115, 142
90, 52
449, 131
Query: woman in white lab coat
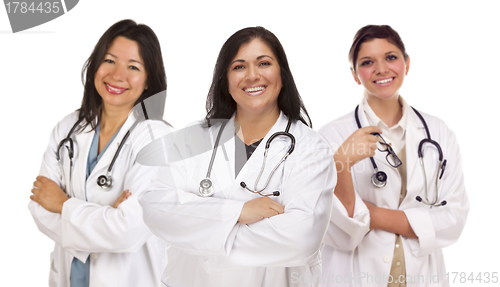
384, 235
236, 237
90, 211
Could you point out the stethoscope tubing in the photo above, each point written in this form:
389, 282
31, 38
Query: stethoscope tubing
206, 188
103, 181
442, 164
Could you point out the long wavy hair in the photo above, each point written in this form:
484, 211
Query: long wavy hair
150, 51
220, 104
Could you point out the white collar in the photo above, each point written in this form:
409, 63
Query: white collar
374, 120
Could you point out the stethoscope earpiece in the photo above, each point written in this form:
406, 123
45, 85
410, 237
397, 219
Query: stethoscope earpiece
105, 182
379, 179
443, 203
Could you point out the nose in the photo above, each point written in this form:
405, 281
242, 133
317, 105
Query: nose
253, 74
118, 73
382, 68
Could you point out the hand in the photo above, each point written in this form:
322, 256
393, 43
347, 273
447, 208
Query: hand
358, 146
122, 198
259, 208
48, 194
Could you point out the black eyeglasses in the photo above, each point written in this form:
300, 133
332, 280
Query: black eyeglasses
391, 157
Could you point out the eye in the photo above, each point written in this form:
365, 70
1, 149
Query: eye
391, 57
238, 67
366, 63
109, 61
134, 68
265, 63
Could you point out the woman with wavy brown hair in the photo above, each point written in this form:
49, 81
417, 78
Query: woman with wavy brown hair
85, 198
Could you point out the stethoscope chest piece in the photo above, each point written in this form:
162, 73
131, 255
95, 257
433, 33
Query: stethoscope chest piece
105, 182
379, 178
206, 189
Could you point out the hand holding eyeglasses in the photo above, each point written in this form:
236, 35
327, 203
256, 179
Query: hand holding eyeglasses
359, 145
383, 146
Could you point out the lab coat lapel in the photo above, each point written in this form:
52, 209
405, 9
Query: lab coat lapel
415, 132
104, 162
277, 150
223, 166
107, 157
83, 140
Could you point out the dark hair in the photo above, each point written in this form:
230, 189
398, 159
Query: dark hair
149, 48
220, 104
370, 32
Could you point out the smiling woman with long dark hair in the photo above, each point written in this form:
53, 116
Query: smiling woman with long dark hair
85, 198
236, 210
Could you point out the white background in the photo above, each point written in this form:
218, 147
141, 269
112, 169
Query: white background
453, 46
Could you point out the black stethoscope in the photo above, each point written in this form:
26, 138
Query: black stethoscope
206, 188
379, 178
103, 181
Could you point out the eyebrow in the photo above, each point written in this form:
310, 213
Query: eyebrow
390, 52
131, 60
258, 58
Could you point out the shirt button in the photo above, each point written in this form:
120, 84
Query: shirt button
397, 245
387, 259
398, 264
93, 256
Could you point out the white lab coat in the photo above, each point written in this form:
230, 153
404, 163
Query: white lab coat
352, 251
122, 250
209, 247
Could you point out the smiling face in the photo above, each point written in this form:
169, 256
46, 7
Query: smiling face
381, 69
121, 77
254, 79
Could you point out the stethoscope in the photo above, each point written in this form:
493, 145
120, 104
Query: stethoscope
104, 181
206, 187
379, 178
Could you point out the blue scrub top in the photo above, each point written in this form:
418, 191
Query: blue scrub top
80, 272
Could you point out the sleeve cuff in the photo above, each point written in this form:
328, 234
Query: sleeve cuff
359, 223
69, 206
421, 223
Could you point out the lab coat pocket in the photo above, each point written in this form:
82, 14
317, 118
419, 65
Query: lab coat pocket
54, 273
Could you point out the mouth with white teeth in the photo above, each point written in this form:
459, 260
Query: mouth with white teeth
255, 89
384, 81
114, 90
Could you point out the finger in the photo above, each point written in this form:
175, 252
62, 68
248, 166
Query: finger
371, 129
372, 138
278, 207
371, 153
270, 213
119, 200
34, 198
42, 178
35, 191
37, 184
